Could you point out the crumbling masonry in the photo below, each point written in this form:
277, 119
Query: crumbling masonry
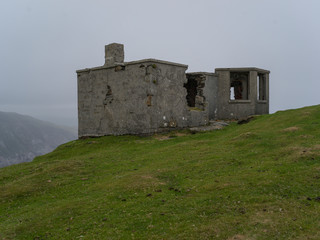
149, 96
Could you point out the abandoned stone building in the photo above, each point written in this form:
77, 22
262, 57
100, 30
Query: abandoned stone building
148, 96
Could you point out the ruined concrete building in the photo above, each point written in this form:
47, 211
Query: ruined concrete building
150, 95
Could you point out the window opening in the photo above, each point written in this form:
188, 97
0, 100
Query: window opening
239, 86
261, 87
232, 93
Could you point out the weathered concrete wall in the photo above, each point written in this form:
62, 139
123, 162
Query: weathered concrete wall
211, 93
150, 95
136, 98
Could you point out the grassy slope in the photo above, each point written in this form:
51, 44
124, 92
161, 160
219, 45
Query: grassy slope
255, 181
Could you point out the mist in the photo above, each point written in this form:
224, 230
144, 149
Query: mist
43, 43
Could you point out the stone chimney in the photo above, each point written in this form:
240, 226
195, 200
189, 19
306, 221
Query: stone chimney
114, 54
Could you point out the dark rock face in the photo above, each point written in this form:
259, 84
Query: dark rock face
22, 138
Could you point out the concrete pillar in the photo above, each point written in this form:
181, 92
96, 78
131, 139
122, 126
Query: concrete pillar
267, 92
253, 95
114, 53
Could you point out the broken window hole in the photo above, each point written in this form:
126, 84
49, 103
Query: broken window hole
194, 87
239, 86
191, 87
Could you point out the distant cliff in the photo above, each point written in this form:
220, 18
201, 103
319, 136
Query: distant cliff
23, 137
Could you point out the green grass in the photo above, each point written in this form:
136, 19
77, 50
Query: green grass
260, 180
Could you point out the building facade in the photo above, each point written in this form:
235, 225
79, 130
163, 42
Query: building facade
149, 96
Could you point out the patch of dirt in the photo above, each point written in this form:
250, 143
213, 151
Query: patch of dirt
147, 177
162, 137
306, 136
142, 141
143, 182
291, 129
306, 152
306, 113
238, 237
264, 216
316, 147
180, 134
244, 135
169, 136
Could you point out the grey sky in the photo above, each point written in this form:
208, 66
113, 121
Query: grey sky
43, 42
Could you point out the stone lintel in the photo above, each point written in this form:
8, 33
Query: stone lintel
245, 69
202, 73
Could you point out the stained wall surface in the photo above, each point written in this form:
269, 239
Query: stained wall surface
134, 98
150, 95
210, 91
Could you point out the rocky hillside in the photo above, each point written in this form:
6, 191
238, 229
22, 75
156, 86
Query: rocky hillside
23, 137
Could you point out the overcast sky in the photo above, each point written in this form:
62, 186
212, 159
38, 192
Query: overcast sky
43, 43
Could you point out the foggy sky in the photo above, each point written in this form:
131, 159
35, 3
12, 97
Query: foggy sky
44, 42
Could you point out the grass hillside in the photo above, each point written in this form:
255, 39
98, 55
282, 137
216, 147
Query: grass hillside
259, 180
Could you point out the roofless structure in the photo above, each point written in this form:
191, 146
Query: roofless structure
150, 95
